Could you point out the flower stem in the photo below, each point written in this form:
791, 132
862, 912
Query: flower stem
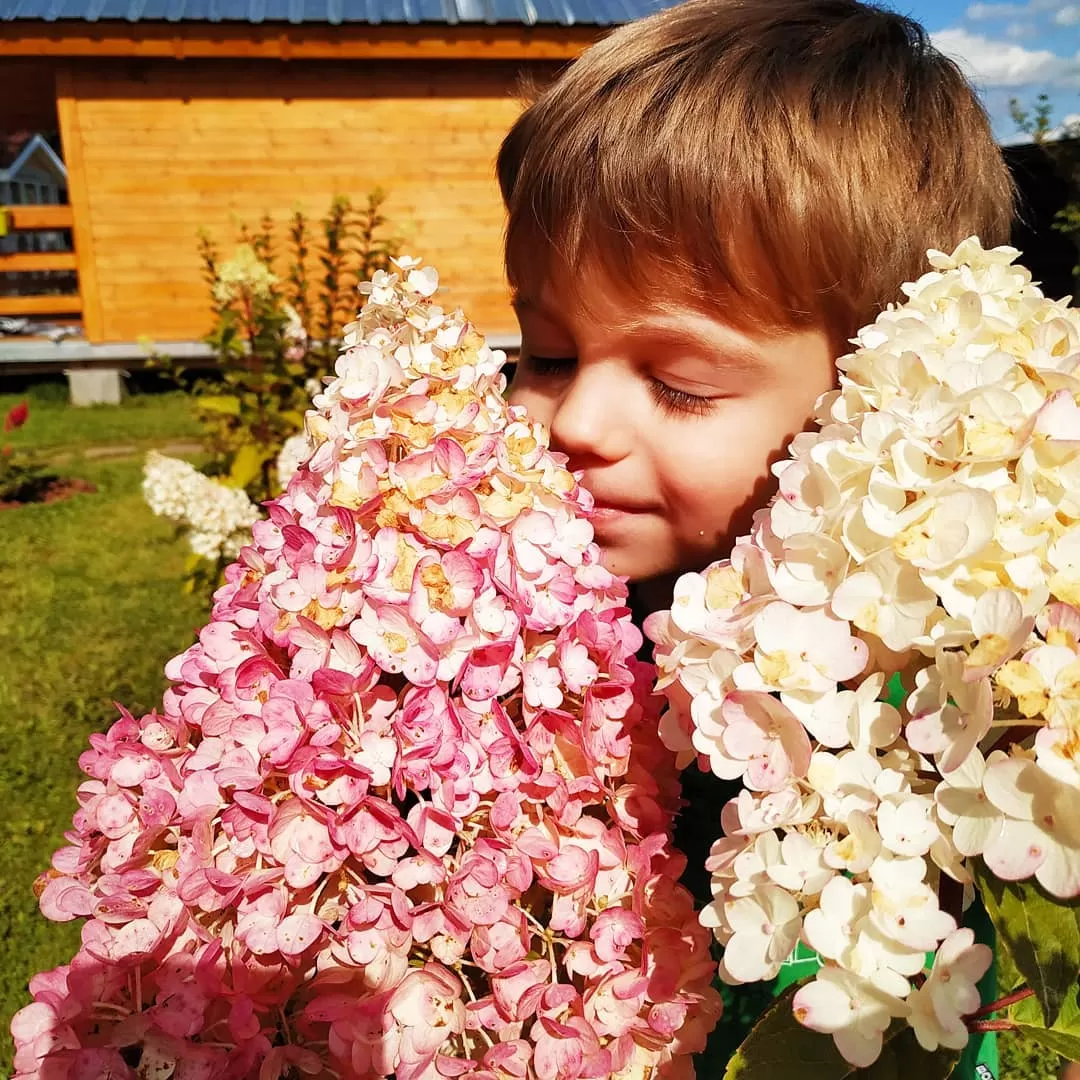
991, 1025
1003, 1003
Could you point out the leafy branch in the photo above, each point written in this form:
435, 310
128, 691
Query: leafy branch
274, 336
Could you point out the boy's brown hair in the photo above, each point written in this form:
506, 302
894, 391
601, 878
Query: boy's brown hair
784, 162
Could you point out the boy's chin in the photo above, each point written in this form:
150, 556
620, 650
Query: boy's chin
634, 562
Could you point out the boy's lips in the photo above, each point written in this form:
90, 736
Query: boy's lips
607, 507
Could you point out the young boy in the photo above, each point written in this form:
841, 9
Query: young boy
703, 209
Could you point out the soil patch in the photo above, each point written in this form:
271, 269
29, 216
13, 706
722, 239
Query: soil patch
52, 489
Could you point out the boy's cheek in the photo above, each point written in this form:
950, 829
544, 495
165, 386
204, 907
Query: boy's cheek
721, 518
713, 497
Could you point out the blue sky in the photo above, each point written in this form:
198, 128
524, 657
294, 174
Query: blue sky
1014, 49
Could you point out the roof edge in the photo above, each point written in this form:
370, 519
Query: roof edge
39, 38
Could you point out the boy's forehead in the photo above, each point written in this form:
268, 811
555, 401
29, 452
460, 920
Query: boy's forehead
689, 328
599, 288
591, 293
545, 289
673, 298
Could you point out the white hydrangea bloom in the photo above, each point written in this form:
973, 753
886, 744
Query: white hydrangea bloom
218, 518
759, 932
939, 1006
853, 1010
927, 527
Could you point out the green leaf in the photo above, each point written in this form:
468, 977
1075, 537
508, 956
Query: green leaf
780, 1048
220, 403
1064, 1043
246, 466
1008, 974
1041, 933
1063, 1038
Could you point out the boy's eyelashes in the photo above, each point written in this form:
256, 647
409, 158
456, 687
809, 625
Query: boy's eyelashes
669, 398
679, 402
549, 365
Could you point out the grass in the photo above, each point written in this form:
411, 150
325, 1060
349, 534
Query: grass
143, 420
93, 608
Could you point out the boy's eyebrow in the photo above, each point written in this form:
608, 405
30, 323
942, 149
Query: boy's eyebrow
721, 350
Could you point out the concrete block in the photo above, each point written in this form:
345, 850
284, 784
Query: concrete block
95, 386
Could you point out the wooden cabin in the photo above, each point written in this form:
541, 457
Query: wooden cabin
178, 115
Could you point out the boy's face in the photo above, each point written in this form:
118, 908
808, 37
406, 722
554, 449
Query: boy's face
673, 416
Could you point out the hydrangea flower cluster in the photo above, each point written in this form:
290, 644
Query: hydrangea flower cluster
929, 527
405, 810
218, 518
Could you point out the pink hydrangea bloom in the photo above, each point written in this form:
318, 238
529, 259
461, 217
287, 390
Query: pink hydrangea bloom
404, 810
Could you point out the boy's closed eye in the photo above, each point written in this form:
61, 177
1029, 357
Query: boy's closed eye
548, 366
671, 399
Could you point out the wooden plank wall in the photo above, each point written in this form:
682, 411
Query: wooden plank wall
86, 252
165, 148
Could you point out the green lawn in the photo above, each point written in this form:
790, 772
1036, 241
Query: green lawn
142, 420
93, 608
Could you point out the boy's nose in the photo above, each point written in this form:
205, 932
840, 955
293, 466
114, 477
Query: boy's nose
590, 419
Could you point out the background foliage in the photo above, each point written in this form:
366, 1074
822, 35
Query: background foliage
273, 336
1062, 149
279, 311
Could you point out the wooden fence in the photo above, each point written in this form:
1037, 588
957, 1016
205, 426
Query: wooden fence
36, 219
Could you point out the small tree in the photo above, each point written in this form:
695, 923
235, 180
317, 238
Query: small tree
1062, 148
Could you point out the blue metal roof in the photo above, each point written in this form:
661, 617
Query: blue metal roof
335, 12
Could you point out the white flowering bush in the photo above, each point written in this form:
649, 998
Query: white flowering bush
217, 518
294, 452
926, 533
